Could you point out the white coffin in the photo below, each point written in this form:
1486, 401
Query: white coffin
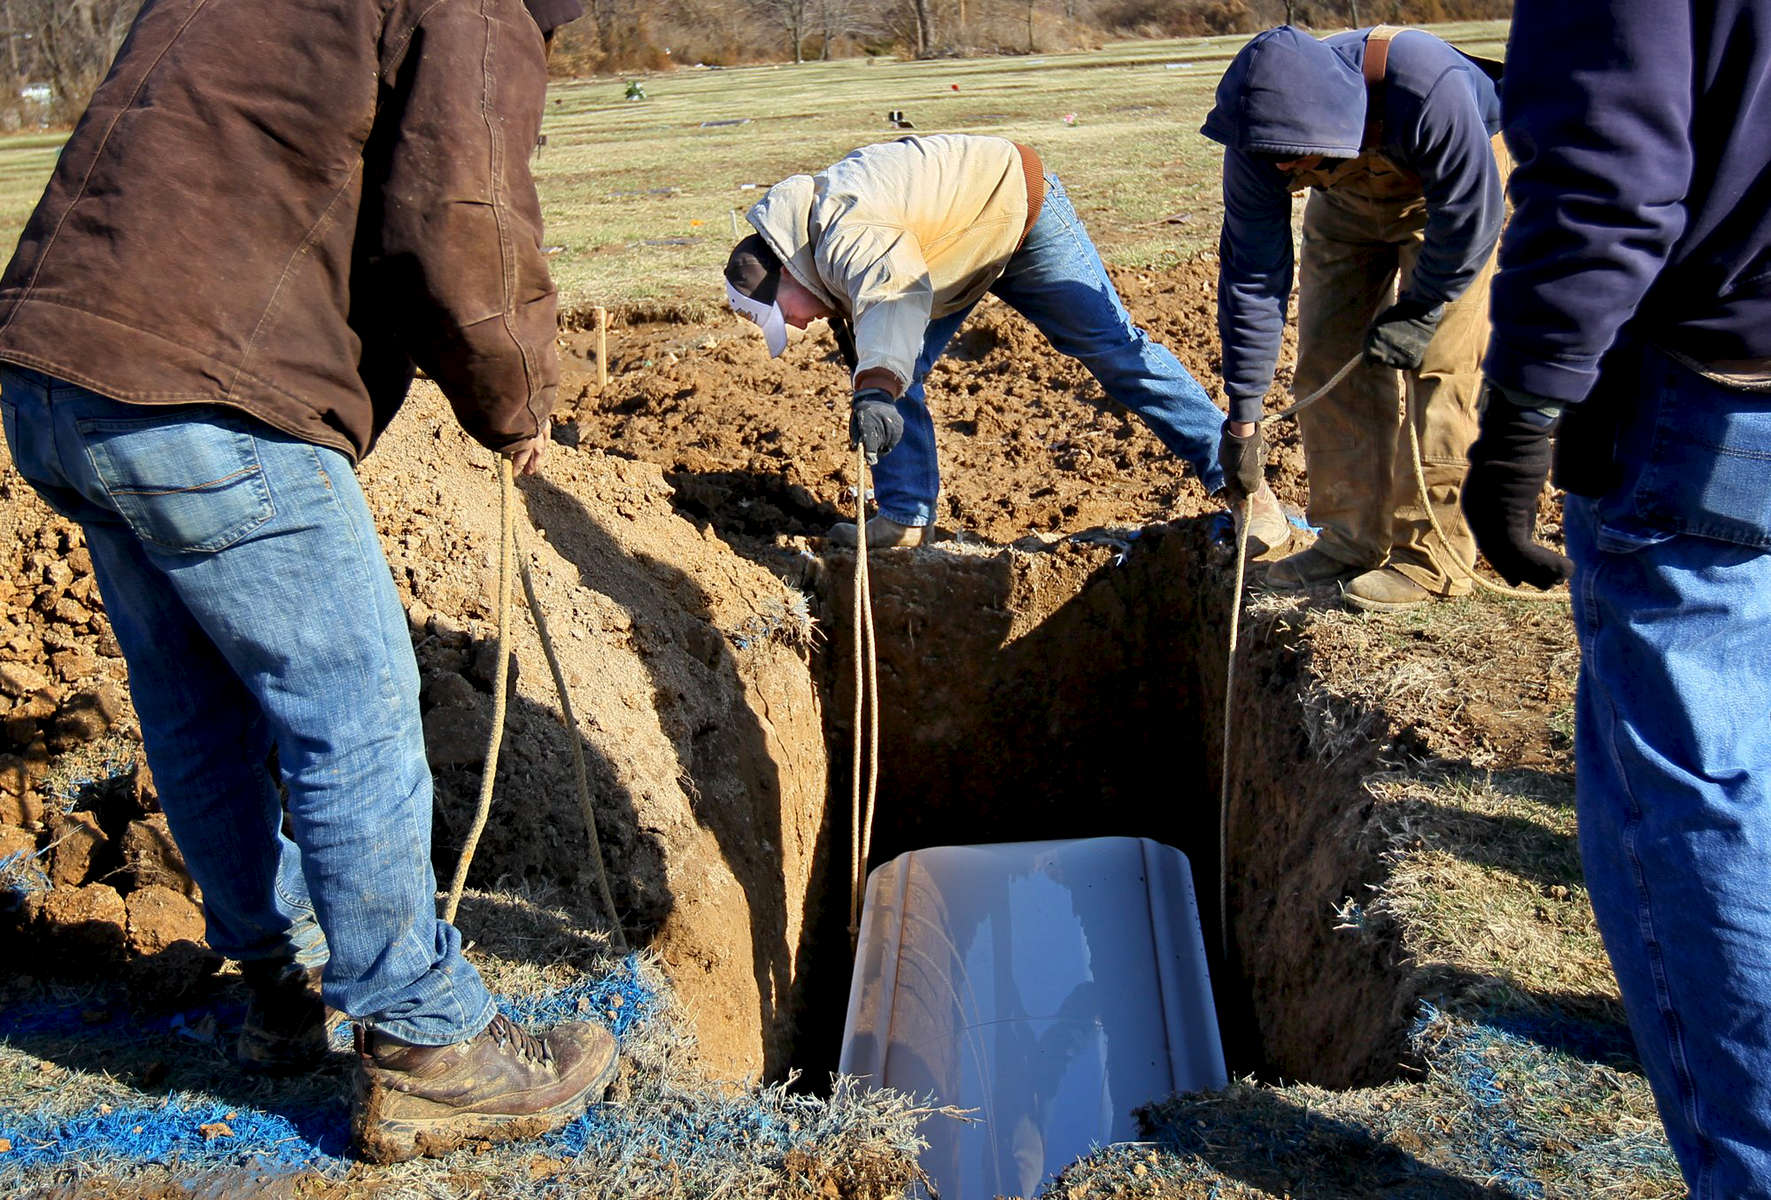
1052, 987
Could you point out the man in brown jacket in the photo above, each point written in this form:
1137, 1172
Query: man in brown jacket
270, 214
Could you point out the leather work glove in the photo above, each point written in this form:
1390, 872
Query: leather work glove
1243, 460
1398, 337
874, 422
1509, 462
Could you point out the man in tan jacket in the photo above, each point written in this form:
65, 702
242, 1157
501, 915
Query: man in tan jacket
895, 244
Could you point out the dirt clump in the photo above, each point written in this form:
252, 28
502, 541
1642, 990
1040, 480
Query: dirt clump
158, 917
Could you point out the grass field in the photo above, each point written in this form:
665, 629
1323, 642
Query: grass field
642, 196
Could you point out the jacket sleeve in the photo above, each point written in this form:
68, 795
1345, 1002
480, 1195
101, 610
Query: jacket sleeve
1254, 279
1599, 127
461, 222
881, 271
1464, 193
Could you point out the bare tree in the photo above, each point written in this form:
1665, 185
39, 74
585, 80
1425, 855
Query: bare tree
67, 45
791, 17
838, 19
922, 22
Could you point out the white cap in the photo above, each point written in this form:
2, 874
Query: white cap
767, 316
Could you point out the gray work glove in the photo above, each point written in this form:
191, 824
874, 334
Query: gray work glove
1243, 460
1398, 337
875, 422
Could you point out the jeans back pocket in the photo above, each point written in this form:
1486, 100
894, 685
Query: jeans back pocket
181, 481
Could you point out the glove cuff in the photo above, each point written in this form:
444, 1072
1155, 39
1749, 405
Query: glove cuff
873, 395
1539, 412
1405, 309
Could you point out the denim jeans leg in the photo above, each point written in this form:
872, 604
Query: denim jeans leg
1056, 280
205, 740
218, 528
209, 748
907, 481
1673, 759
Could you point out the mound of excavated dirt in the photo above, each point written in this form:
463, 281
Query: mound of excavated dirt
1028, 441
700, 727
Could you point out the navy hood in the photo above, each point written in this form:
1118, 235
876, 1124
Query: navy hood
1288, 94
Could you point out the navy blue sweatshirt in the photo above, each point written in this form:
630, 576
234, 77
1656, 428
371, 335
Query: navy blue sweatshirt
1642, 133
1289, 94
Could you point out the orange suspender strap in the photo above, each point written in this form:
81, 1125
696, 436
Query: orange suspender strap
1377, 59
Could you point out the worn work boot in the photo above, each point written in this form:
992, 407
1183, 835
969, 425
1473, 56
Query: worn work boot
500, 1085
883, 533
1307, 568
1387, 590
1268, 530
288, 1028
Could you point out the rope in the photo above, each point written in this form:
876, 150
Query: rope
1420, 482
500, 684
1225, 761
1294, 409
866, 698
507, 551
584, 805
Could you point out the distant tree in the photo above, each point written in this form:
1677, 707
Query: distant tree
922, 22
839, 19
66, 45
791, 18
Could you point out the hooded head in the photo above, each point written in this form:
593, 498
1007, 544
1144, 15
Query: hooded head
1287, 95
753, 276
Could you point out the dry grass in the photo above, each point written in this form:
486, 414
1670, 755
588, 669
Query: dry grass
1485, 885
670, 1133
641, 196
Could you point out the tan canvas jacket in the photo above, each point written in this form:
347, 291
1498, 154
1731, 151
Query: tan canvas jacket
899, 233
283, 206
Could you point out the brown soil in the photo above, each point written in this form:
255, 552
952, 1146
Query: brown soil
1028, 441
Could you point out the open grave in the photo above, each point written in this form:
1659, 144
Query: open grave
1056, 672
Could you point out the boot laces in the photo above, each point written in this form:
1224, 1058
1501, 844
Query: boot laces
511, 1036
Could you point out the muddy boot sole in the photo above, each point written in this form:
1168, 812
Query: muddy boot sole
389, 1126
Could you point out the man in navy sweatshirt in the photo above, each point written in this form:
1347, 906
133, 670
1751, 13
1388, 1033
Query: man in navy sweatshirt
1392, 130
1633, 318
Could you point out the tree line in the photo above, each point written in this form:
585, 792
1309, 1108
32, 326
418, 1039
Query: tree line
58, 50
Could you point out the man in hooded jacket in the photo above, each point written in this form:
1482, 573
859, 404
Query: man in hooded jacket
1633, 322
269, 216
1391, 130
898, 242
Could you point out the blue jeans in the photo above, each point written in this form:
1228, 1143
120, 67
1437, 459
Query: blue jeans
1673, 760
1057, 282
244, 582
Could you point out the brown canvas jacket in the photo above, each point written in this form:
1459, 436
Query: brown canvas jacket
284, 207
